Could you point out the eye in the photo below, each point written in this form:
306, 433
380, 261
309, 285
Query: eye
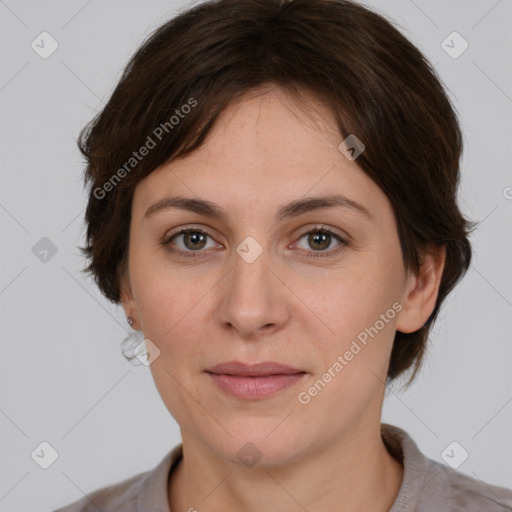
193, 241
320, 239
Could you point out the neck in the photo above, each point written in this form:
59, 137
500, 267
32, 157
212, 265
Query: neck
351, 473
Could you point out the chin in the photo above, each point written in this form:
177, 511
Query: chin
263, 442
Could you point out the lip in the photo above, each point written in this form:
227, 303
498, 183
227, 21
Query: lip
256, 381
262, 369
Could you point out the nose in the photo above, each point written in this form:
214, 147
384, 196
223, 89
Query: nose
254, 298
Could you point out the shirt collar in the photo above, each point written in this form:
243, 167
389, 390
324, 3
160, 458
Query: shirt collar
154, 496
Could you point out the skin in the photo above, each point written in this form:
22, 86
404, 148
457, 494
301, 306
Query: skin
286, 306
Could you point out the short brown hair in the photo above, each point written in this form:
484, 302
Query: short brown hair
378, 85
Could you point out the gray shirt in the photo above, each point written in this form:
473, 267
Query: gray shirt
427, 486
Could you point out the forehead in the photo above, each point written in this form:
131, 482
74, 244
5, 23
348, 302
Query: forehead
264, 149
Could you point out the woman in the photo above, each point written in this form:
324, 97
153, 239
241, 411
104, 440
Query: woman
273, 202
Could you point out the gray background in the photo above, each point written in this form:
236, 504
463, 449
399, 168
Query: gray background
63, 377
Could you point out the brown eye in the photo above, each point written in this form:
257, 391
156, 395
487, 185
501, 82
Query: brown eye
319, 241
188, 242
194, 240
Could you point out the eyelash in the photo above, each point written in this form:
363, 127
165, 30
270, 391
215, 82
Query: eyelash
316, 254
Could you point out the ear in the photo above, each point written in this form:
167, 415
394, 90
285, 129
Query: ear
421, 291
125, 291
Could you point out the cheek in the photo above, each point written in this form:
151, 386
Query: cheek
175, 371
180, 396
353, 300
360, 311
163, 296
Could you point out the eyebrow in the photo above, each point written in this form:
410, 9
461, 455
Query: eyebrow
289, 210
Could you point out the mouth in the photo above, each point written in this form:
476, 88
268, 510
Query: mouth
254, 382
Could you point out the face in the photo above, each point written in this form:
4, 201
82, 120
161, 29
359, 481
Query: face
319, 288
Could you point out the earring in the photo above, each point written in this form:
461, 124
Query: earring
130, 320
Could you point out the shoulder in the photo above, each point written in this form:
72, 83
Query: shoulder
429, 486
111, 498
461, 492
139, 493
